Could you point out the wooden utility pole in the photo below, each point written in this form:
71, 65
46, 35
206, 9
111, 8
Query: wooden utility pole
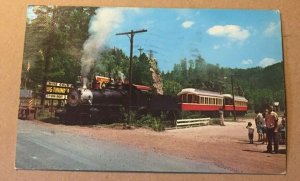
232, 91
131, 36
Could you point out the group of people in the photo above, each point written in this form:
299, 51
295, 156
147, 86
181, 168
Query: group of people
268, 129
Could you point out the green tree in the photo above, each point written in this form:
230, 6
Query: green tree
111, 63
171, 87
52, 42
261, 86
141, 71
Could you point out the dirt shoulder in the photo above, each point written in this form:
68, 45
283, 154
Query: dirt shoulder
227, 146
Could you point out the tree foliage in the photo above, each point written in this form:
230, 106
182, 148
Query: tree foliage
261, 86
53, 43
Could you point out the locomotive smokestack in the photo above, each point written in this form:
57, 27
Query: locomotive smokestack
122, 76
84, 82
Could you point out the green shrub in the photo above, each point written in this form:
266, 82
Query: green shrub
157, 125
145, 121
42, 115
150, 121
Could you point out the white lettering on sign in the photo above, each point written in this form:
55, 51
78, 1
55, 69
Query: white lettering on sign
58, 84
58, 90
56, 96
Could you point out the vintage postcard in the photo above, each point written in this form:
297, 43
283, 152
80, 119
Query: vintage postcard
152, 90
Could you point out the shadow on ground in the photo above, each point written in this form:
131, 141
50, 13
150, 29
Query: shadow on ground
58, 121
280, 151
85, 123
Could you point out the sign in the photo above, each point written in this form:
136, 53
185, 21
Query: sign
58, 84
57, 90
56, 96
25, 93
102, 81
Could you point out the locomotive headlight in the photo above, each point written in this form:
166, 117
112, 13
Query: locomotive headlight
86, 96
73, 98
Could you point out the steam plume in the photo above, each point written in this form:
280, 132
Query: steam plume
101, 25
122, 76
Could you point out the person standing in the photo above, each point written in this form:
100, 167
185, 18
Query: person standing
221, 112
250, 132
282, 130
271, 119
258, 122
264, 130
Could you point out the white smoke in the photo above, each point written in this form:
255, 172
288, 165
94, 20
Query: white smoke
101, 25
122, 76
85, 81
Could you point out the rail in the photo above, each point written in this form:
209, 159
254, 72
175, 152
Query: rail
192, 122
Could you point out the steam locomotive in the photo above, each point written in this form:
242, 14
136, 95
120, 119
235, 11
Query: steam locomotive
110, 103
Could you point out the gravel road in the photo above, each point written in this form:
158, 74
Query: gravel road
45, 147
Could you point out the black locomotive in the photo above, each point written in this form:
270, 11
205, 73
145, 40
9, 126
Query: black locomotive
111, 103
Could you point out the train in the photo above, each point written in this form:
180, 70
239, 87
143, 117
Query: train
210, 103
111, 102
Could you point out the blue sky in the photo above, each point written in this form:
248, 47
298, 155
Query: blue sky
230, 38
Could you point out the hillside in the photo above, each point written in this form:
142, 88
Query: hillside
261, 86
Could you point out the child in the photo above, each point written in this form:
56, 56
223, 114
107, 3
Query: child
259, 125
250, 132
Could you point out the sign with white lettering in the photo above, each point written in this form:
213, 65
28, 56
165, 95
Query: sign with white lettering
57, 90
56, 96
58, 84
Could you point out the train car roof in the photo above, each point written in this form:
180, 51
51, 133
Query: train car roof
238, 98
142, 87
199, 92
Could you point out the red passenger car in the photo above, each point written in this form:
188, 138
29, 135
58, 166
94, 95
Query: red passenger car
240, 104
209, 103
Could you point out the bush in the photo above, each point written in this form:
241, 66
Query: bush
157, 125
41, 115
145, 121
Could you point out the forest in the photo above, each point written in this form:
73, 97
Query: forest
53, 50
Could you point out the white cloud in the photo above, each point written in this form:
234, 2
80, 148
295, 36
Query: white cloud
267, 62
272, 29
187, 24
247, 62
215, 47
232, 32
